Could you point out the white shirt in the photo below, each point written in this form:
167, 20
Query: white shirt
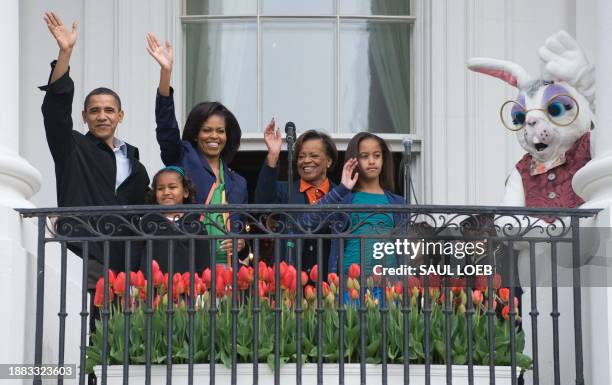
124, 167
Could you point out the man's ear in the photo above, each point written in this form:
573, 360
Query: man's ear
121, 113
84, 114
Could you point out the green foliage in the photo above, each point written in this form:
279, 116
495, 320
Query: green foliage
204, 317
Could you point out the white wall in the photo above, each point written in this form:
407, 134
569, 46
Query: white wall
470, 152
466, 154
110, 52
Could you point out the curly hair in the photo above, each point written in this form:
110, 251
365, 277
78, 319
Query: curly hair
187, 185
328, 143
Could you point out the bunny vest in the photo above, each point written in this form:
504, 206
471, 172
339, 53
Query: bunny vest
553, 188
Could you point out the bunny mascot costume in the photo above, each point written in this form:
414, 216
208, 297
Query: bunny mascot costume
551, 116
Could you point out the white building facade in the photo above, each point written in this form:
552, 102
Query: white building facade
462, 152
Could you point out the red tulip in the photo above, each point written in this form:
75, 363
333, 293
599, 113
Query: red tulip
456, 284
354, 294
283, 268
477, 297
245, 277
220, 276
199, 285
138, 280
206, 277
158, 278
227, 275
263, 271
332, 278
119, 284
310, 293
263, 289
390, 294
154, 267
504, 294
314, 273
220, 287
497, 281
354, 271
304, 278
398, 287
288, 279
186, 278
413, 282
480, 283
111, 276
165, 282
441, 298
99, 294
178, 286
271, 276
505, 312
325, 289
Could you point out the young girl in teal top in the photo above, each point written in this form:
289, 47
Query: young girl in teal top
367, 178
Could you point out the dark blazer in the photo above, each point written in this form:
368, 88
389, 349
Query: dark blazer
177, 152
269, 190
85, 173
189, 223
342, 195
85, 167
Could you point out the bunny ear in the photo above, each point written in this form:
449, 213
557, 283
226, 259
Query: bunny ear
510, 72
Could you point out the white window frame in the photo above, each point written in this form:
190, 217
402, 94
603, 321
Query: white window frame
420, 76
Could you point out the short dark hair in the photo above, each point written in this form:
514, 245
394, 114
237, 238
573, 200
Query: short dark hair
187, 185
386, 173
102, 91
328, 143
200, 113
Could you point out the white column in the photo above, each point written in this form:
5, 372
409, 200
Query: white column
594, 184
18, 182
594, 181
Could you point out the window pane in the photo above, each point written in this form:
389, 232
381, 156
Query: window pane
222, 65
375, 77
298, 74
374, 7
297, 7
221, 7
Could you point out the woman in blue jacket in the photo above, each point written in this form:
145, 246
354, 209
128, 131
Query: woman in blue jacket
210, 140
367, 178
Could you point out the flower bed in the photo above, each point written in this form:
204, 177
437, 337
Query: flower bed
264, 290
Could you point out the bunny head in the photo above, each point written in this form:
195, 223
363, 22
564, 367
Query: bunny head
548, 116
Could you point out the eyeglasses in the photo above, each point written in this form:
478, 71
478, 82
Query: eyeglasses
561, 110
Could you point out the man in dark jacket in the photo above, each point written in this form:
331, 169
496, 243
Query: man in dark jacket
95, 169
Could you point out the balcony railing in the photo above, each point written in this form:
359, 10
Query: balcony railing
434, 307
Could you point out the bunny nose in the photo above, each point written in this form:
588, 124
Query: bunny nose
532, 121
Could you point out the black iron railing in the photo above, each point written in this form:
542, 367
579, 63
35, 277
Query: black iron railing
414, 311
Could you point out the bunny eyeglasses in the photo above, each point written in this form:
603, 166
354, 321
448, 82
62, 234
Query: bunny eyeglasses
561, 110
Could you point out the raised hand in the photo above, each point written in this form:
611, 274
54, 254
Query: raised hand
66, 39
163, 54
273, 141
565, 60
563, 57
272, 137
349, 176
